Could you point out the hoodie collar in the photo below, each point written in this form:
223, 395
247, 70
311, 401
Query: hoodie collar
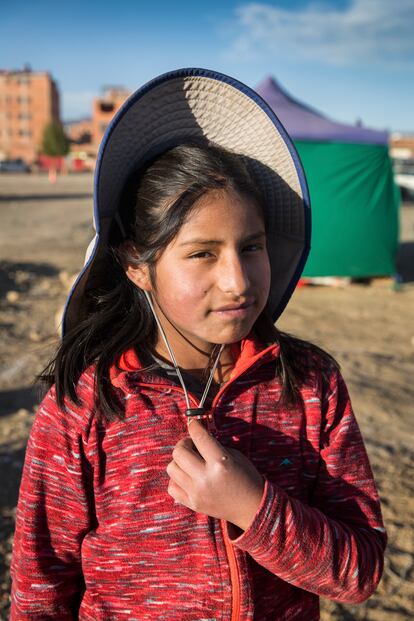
251, 351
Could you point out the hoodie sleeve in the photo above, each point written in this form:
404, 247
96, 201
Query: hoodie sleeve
53, 515
333, 546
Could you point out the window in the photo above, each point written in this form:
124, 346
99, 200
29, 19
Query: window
107, 107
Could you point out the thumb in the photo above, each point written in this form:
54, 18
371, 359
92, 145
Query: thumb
205, 443
196, 428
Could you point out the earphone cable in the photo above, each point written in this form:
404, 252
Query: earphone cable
174, 360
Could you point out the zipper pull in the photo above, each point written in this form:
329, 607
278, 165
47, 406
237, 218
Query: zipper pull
201, 414
211, 425
198, 413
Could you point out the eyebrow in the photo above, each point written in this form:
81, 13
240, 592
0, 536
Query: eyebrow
205, 242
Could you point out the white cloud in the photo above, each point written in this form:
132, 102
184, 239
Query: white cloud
367, 31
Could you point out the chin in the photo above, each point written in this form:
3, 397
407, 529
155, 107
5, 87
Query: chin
230, 336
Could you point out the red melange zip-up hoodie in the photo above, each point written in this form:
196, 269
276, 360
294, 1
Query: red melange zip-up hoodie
98, 537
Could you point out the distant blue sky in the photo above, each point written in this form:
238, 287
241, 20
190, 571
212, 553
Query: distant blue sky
350, 59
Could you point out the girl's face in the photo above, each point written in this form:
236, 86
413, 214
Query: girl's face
212, 281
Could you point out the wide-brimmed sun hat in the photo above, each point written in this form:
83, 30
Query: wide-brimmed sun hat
203, 105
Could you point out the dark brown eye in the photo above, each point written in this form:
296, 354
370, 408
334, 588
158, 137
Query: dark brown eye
201, 255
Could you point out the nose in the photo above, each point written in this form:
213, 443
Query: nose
232, 275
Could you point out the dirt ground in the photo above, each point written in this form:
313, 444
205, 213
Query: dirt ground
44, 230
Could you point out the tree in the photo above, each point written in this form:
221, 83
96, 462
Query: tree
55, 142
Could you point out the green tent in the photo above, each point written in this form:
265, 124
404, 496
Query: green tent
354, 199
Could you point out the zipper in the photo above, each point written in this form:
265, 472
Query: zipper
234, 575
211, 426
231, 557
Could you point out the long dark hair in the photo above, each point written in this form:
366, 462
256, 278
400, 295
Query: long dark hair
155, 203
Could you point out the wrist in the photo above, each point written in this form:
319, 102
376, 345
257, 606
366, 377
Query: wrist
250, 508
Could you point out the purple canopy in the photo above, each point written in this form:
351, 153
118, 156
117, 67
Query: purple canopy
303, 123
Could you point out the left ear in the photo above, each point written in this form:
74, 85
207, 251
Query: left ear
140, 276
139, 273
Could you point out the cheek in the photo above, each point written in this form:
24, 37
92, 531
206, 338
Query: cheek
262, 277
181, 291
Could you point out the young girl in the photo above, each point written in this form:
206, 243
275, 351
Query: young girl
191, 462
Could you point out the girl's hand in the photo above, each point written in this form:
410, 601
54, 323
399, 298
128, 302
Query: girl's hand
203, 481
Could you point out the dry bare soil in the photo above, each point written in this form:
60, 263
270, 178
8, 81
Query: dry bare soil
44, 230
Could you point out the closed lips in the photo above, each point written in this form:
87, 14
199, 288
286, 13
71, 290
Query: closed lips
232, 307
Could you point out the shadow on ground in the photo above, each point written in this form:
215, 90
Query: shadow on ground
19, 398
11, 463
19, 198
19, 276
405, 261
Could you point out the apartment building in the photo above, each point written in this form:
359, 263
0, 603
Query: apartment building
104, 108
79, 131
29, 100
